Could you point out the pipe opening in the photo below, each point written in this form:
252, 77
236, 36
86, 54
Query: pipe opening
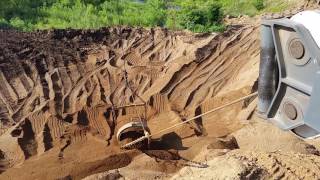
131, 131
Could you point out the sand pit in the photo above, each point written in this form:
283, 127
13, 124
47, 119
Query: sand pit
59, 89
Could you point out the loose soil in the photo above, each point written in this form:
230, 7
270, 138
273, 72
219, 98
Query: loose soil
59, 88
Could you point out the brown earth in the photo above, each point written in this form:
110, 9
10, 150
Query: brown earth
58, 89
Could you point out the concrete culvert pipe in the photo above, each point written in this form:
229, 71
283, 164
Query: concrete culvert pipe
129, 130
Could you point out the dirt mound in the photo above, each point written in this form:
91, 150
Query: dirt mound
239, 164
264, 152
278, 165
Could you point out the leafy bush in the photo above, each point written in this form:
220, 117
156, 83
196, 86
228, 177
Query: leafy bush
19, 24
155, 12
4, 23
259, 4
200, 17
69, 15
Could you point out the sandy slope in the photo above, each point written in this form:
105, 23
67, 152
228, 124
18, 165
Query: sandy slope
59, 86
258, 150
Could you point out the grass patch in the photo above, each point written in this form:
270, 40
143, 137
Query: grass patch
194, 15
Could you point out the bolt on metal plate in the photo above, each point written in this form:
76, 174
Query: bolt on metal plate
296, 49
290, 111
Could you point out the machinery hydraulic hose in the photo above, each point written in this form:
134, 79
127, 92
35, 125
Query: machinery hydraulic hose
266, 83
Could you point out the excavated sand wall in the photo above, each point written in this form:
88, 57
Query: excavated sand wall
62, 84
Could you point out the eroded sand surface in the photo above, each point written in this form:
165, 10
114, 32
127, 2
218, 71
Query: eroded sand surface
58, 88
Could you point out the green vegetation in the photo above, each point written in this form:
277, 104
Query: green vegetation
194, 15
279, 6
197, 16
259, 4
